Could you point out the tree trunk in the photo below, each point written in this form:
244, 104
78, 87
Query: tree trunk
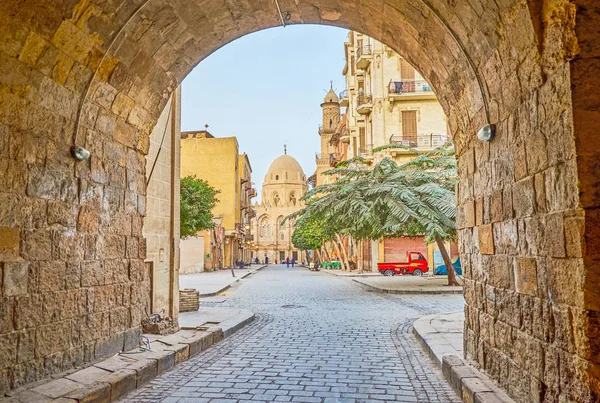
318, 255
339, 254
326, 253
344, 252
447, 261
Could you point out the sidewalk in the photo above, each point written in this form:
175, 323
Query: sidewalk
115, 377
342, 273
409, 285
441, 334
212, 283
442, 337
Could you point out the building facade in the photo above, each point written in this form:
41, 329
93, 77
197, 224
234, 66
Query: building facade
387, 102
283, 186
231, 173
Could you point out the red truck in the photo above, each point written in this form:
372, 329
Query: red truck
416, 265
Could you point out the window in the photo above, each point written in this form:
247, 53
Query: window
282, 236
407, 72
409, 127
276, 177
416, 256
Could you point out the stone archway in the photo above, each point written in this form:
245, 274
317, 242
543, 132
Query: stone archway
98, 74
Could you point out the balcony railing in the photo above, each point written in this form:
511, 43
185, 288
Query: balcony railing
408, 87
363, 57
428, 140
364, 99
366, 50
366, 150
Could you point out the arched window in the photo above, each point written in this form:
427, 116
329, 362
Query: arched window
276, 177
276, 200
330, 123
282, 236
293, 199
265, 228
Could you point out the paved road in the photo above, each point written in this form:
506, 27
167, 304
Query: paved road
318, 338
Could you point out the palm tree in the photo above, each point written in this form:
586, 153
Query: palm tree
415, 198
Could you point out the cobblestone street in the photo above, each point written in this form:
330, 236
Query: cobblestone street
317, 338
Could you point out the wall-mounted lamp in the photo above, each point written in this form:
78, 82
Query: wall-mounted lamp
487, 132
247, 226
80, 153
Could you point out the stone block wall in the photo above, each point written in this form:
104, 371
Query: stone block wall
189, 300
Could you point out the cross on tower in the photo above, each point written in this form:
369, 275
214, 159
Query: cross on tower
284, 149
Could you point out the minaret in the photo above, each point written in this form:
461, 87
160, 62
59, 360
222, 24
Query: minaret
331, 118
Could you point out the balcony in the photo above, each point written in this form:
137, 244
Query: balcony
363, 57
344, 101
334, 159
345, 139
420, 141
364, 104
251, 192
413, 89
251, 213
366, 152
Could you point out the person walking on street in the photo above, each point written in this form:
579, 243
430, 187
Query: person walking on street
266, 259
293, 262
287, 262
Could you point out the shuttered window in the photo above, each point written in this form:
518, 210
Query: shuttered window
407, 72
409, 125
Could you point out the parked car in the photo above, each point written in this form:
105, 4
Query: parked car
415, 264
442, 270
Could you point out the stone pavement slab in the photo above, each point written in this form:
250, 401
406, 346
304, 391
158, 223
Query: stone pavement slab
227, 318
409, 285
441, 334
113, 378
215, 282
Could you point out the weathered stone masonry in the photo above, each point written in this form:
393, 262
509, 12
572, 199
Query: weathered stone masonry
73, 281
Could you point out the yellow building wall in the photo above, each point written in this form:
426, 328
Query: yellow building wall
216, 161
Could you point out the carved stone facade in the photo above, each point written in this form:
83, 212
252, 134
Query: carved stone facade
98, 74
284, 185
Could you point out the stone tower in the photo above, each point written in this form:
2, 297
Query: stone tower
331, 118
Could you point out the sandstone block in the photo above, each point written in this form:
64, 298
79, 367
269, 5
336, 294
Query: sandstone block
109, 346
73, 42
96, 392
145, 369
469, 211
61, 213
57, 388
525, 275
9, 243
53, 338
486, 239
555, 237
15, 278
524, 198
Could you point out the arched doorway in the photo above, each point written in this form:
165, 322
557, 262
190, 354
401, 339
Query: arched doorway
99, 74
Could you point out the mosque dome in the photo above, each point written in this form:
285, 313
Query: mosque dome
285, 169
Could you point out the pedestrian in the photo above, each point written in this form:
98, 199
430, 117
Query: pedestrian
256, 260
287, 262
266, 259
293, 261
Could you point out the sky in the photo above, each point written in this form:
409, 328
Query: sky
266, 89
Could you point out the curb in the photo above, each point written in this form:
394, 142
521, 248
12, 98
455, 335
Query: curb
352, 275
370, 287
127, 372
469, 384
212, 294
